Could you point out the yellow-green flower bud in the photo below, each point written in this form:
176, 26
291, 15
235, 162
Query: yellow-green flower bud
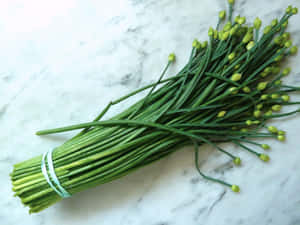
259, 106
237, 161
265, 146
222, 14
275, 96
272, 129
262, 85
276, 108
221, 114
195, 43
274, 22
275, 70
264, 157
267, 29
257, 23
268, 69
264, 97
278, 40
236, 19
204, 44
233, 31
288, 44
278, 82
210, 31
227, 26
248, 37
233, 90
215, 34
286, 35
293, 49
284, 24
257, 113
295, 11
281, 132
285, 98
250, 45
231, 56
268, 113
246, 89
235, 188
171, 57
263, 74
286, 71
237, 66
244, 130
225, 35
278, 58
289, 9
241, 20
236, 77
231, 2
281, 137
249, 122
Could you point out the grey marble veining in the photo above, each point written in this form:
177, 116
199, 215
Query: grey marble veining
61, 62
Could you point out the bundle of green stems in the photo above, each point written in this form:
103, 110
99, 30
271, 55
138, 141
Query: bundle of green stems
229, 89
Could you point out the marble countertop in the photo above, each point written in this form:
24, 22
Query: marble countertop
61, 62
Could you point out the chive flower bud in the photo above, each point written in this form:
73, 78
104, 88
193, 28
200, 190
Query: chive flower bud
285, 98
237, 66
276, 108
221, 114
257, 23
278, 40
278, 58
275, 96
264, 97
244, 130
235, 188
250, 45
233, 30
286, 35
267, 29
246, 89
241, 20
275, 70
259, 106
263, 74
295, 11
274, 22
289, 9
225, 35
236, 19
265, 146
264, 157
293, 49
171, 57
257, 113
286, 71
227, 26
281, 132
249, 122
231, 2
195, 43
284, 24
247, 37
272, 129
222, 14
231, 56
268, 113
281, 137
204, 44
262, 85
210, 31
278, 82
288, 44
237, 161
236, 77
233, 90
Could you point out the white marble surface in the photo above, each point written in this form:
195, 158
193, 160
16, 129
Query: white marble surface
62, 61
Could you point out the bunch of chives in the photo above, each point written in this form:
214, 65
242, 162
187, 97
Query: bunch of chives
229, 89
